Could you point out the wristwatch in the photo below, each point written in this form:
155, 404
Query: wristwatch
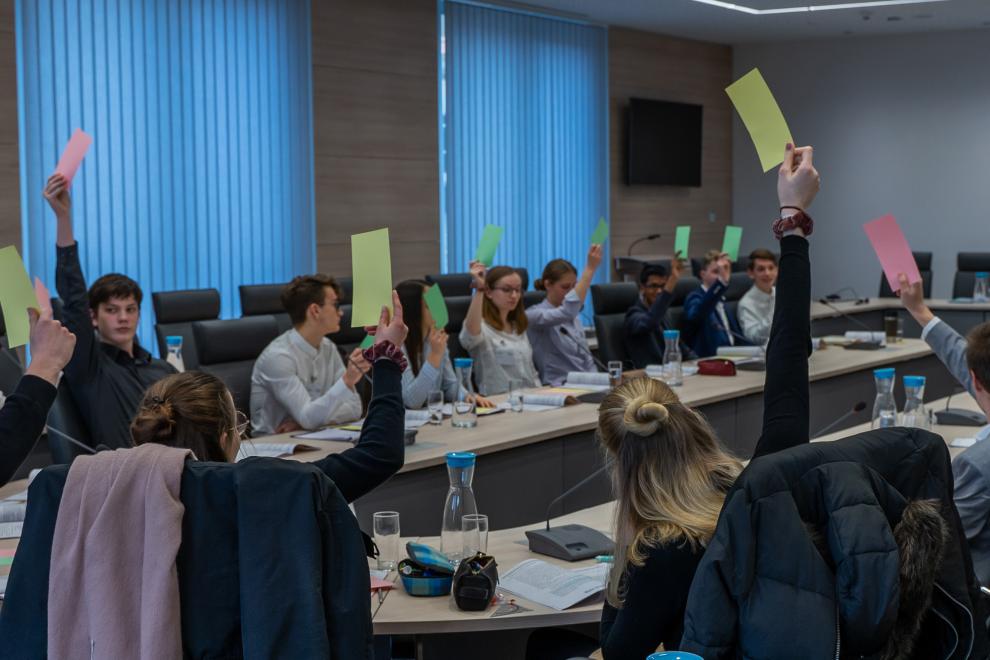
799, 220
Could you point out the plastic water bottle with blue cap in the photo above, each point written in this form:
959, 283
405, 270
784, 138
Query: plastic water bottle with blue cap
460, 502
174, 356
980, 287
884, 407
915, 414
673, 372
465, 416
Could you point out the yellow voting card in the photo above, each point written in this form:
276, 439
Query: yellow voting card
760, 113
371, 267
16, 296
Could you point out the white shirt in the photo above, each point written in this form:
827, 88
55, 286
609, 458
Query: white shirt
755, 312
498, 357
291, 379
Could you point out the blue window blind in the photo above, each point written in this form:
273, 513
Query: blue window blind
201, 168
524, 115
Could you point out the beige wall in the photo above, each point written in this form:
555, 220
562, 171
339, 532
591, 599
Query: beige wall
10, 206
652, 66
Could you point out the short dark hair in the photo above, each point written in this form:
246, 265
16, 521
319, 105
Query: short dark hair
761, 253
978, 353
651, 270
113, 285
306, 290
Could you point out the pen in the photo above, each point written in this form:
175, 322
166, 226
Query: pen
604, 559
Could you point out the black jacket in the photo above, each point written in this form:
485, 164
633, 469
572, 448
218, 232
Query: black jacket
825, 546
22, 420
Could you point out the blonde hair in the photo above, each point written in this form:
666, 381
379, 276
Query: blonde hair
669, 475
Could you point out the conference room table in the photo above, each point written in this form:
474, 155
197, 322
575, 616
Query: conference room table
525, 460
440, 630
833, 318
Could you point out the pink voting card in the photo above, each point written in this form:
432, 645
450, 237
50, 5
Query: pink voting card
893, 250
73, 155
378, 583
44, 298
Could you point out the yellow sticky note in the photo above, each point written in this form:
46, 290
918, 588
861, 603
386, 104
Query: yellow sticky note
760, 113
16, 296
371, 268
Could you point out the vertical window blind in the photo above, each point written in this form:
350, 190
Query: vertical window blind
201, 168
524, 117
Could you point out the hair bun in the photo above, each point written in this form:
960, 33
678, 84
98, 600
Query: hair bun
644, 416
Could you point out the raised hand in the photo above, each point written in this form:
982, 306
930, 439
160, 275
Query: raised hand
51, 346
594, 258
478, 272
797, 179
391, 329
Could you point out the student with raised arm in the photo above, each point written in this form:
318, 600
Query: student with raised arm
647, 319
300, 381
968, 360
429, 368
109, 370
671, 473
494, 331
555, 329
23, 415
711, 324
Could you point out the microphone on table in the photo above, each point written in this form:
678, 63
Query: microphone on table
571, 542
959, 416
566, 333
65, 436
648, 237
858, 408
859, 345
835, 295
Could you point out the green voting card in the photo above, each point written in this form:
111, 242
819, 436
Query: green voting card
368, 341
437, 306
371, 268
731, 242
601, 233
762, 116
681, 239
16, 296
490, 239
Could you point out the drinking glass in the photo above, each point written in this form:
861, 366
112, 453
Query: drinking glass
434, 403
474, 530
386, 527
516, 395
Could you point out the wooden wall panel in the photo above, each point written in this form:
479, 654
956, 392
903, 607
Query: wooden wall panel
375, 130
10, 206
652, 66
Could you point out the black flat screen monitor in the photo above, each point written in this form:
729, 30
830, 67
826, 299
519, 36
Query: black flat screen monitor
664, 143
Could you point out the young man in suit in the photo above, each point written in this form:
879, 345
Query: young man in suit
709, 322
968, 360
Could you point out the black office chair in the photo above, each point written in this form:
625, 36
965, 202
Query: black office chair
457, 307
346, 285
228, 349
968, 264
524, 275
452, 284
64, 416
739, 284
924, 261
175, 312
610, 302
264, 300
531, 298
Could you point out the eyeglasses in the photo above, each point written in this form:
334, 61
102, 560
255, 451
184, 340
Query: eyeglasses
508, 290
241, 424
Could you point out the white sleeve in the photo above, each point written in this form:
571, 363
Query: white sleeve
278, 374
929, 327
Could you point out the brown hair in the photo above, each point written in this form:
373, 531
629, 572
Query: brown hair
411, 297
761, 253
517, 317
710, 257
670, 473
978, 353
306, 290
191, 410
553, 271
113, 285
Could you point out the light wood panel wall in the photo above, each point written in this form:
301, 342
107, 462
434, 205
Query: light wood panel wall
375, 125
10, 206
646, 65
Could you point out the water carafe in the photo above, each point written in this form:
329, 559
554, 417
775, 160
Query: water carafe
884, 408
460, 502
915, 414
673, 372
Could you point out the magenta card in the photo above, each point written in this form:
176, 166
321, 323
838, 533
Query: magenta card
892, 250
73, 155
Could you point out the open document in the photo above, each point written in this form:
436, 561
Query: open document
271, 449
552, 586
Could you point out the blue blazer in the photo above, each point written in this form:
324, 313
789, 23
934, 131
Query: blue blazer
702, 326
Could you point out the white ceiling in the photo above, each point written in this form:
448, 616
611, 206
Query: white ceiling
695, 20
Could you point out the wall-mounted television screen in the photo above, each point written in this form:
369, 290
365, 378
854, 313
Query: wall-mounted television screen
664, 146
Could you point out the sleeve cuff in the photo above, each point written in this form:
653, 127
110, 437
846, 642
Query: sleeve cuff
339, 391
929, 327
38, 390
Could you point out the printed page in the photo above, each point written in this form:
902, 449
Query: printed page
338, 434
549, 585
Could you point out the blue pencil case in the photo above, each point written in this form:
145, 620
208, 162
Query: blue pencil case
426, 572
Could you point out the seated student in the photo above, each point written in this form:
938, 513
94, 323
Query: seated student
494, 331
710, 323
24, 412
968, 360
195, 411
756, 306
425, 348
299, 381
555, 331
654, 439
647, 319
109, 370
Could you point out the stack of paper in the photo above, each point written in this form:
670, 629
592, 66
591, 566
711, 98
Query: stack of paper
341, 433
270, 449
552, 586
590, 381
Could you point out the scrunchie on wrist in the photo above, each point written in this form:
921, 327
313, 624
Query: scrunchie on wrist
386, 350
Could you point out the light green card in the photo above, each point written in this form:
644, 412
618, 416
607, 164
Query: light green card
762, 116
367, 343
371, 268
490, 239
437, 305
16, 296
731, 241
601, 233
682, 238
